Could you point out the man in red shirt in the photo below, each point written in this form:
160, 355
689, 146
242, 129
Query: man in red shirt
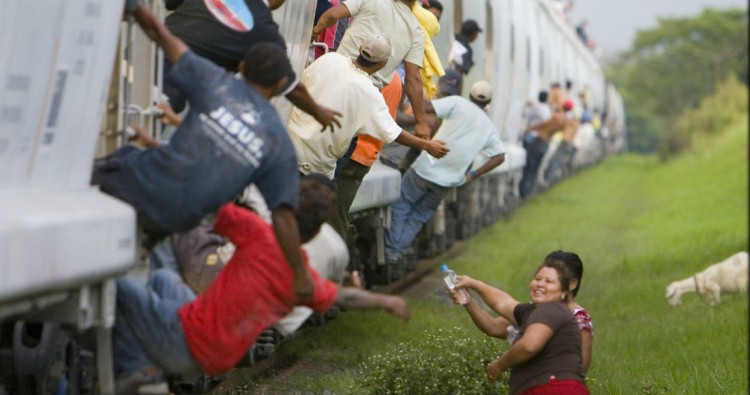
163, 328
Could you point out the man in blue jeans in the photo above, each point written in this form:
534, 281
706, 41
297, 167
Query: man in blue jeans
467, 131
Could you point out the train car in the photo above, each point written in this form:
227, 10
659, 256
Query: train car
79, 76
62, 242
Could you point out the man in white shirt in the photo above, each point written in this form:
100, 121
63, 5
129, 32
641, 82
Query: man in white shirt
344, 85
395, 20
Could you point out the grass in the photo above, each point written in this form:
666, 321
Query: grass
638, 224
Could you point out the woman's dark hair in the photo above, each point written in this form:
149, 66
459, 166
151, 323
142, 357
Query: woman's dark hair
317, 198
573, 263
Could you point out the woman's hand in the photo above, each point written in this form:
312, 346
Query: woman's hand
495, 371
456, 296
464, 281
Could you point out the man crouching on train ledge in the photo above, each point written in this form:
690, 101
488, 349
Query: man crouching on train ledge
164, 329
468, 131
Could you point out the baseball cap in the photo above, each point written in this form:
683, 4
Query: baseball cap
568, 105
375, 48
481, 91
470, 26
450, 82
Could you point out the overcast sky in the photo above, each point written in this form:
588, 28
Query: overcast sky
613, 24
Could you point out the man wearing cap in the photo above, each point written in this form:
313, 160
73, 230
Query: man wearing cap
467, 130
230, 138
343, 84
461, 56
395, 20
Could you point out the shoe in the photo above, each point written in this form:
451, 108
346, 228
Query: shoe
129, 382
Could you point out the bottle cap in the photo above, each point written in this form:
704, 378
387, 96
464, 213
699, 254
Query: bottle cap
444, 267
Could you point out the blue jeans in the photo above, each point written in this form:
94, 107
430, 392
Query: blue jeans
419, 200
148, 331
535, 151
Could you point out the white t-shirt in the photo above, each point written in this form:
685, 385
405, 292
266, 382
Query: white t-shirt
336, 83
392, 19
329, 256
466, 130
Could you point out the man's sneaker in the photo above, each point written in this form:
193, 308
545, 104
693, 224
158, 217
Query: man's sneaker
129, 382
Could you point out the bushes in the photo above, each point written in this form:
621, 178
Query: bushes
715, 113
441, 363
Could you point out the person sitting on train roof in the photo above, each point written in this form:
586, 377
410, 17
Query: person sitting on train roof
163, 328
344, 85
396, 21
230, 138
467, 129
209, 32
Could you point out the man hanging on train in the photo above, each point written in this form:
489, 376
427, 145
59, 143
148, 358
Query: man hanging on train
395, 20
344, 85
467, 129
164, 329
230, 138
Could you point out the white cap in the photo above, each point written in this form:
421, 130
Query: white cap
481, 91
375, 48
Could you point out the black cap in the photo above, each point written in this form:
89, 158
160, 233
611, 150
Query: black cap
470, 26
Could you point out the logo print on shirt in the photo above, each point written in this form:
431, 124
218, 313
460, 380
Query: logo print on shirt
236, 133
250, 118
232, 13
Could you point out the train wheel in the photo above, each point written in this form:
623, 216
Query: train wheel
49, 361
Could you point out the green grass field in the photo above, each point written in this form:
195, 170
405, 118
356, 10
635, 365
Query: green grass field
638, 224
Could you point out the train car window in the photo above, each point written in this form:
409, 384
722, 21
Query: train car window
512, 42
528, 54
489, 43
541, 61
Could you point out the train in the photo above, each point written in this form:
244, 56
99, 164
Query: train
77, 75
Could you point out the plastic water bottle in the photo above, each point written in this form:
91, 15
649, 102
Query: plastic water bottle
512, 334
450, 280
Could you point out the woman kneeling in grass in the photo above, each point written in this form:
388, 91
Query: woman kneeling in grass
546, 355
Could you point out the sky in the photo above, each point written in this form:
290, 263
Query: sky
613, 24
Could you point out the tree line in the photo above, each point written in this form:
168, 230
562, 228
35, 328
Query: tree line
671, 71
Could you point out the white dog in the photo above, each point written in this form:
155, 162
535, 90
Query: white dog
727, 276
